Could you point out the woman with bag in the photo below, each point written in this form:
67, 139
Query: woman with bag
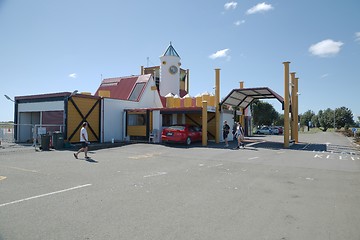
240, 136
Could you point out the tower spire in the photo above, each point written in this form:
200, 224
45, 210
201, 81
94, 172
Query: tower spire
170, 51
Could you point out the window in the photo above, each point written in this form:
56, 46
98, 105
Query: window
134, 96
136, 119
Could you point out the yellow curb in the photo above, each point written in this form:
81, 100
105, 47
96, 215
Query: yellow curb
2, 178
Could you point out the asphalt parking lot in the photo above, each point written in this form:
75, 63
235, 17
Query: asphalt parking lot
153, 191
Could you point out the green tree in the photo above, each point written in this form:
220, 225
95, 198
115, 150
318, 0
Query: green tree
306, 117
343, 117
315, 121
263, 113
280, 120
326, 119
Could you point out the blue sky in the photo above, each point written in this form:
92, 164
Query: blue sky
55, 46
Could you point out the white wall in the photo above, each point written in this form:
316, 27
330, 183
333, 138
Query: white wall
169, 83
150, 98
112, 120
157, 124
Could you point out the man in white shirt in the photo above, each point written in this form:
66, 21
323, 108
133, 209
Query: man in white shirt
84, 141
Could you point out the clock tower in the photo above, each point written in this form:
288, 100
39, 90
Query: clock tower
170, 72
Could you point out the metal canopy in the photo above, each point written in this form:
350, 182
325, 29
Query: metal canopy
242, 97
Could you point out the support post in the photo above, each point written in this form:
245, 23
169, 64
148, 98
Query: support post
292, 106
204, 123
242, 117
286, 104
187, 80
217, 105
296, 110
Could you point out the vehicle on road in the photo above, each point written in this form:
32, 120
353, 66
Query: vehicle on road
181, 134
264, 130
277, 130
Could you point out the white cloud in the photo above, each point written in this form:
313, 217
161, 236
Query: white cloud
261, 7
220, 54
72, 75
324, 75
230, 5
326, 48
238, 23
357, 36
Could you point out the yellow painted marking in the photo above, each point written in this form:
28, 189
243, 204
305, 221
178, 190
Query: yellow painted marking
21, 169
2, 178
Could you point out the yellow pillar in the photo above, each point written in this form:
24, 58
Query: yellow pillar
242, 117
204, 123
286, 104
292, 105
142, 71
217, 105
296, 110
187, 80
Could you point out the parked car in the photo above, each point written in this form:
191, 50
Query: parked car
264, 130
278, 130
181, 134
275, 130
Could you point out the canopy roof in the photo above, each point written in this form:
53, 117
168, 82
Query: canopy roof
244, 96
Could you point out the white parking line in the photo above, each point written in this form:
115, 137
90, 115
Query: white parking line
44, 195
155, 174
306, 146
251, 144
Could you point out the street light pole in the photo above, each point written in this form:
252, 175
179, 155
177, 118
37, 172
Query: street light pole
8, 98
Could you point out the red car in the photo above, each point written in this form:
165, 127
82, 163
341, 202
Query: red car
279, 130
181, 134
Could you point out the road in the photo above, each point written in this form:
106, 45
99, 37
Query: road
153, 191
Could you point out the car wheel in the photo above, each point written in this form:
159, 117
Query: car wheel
257, 132
188, 141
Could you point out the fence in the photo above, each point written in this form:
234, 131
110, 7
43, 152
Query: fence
7, 132
27, 133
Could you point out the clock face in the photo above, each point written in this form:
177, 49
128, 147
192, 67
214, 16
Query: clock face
173, 69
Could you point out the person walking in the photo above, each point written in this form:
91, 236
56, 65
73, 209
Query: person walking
84, 141
234, 130
240, 136
226, 130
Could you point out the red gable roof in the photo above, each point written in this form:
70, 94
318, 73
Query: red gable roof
122, 87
